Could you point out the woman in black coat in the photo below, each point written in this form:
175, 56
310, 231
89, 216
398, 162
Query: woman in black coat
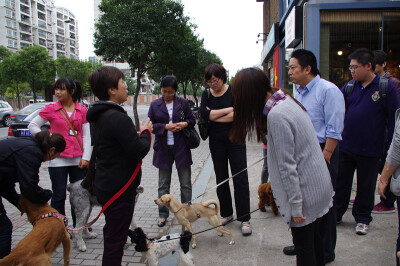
20, 160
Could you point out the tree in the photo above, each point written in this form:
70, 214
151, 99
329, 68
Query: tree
37, 67
75, 69
12, 75
205, 58
131, 86
138, 32
4, 53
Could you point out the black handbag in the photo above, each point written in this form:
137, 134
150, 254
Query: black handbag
203, 123
190, 135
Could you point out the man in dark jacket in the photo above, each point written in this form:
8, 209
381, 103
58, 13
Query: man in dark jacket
119, 151
20, 160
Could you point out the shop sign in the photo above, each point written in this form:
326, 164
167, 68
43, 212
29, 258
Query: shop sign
294, 27
271, 42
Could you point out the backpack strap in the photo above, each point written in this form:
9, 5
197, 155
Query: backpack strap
383, 88
348, 90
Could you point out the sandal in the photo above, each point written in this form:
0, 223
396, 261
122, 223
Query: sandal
246, 228
226, 220
162, 224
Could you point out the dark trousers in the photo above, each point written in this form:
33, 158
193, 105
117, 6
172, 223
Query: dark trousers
308, 244
59, 178
5, 232
367, 173
327, 223
164, 182
222, 151
118, 218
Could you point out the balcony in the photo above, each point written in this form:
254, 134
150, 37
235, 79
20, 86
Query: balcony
60, 16
24, 45
60, 47
25, 28
42, 33
26, 2
41, 7
72, 36
72, 43
25, 19
60, 39
71, 28
42, 42
60, 31
25, 9
42, 24
25, 37
42, 16
60, 54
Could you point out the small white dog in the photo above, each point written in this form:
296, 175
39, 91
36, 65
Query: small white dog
163, 246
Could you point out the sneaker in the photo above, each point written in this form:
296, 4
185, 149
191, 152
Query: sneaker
361, 229
380, 208
246, 228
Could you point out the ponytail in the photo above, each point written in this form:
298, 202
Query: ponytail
49, 140
70, 84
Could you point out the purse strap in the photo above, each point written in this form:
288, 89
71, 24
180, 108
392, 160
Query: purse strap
72, 128
182, 113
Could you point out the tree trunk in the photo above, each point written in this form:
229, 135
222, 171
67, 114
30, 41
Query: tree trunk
34, 91
184, 86
134, 105
19, 102
195, 95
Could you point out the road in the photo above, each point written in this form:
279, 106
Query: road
142, 111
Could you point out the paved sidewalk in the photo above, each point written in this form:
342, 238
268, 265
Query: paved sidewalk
263, 247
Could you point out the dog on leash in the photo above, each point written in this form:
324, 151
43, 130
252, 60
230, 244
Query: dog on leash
47, 233
185, 214
153, 251
82, 203
266, 198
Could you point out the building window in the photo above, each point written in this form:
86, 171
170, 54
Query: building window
11, 33
10, 14
10, 43
10, 4
11, 24
42, 24
60, 31
60, 54
25, 37
41, 16
42, 33
25, 18
26, 2
59, 15
343, 31
60, 39
24, 45
41, 7
42, 41
25, 28
24, 9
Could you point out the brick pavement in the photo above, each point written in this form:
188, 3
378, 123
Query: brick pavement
146, 213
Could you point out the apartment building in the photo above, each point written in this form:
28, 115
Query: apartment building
39, 22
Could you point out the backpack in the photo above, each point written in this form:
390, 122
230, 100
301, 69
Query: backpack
383, 88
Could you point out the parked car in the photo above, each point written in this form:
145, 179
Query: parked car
27, 110
20, 128
5, 111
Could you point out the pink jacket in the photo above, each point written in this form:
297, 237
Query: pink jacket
58, 125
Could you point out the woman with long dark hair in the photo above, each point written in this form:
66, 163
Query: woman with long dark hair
217, 108
298, 173
68, 118
20, 161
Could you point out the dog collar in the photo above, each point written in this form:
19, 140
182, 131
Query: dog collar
52, 214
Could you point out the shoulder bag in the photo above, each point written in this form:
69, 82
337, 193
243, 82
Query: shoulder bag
203, 123
190, 135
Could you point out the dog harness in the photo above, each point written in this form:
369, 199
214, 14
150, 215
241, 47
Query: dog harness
52, 214
190, 204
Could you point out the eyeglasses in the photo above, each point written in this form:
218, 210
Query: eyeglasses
354, 67
210, 82
170, 93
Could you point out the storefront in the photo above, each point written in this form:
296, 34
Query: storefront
334, 29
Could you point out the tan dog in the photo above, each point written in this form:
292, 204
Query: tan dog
186, 214
46, 235
266, 198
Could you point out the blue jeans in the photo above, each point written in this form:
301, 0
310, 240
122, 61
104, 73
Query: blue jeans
5, 232
164, 182
59, 178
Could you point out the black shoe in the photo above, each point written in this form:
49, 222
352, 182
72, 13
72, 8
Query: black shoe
162, 224
290, 250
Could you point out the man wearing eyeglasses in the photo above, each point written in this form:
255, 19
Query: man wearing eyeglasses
363, 137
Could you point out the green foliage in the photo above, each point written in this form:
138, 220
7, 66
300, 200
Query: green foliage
37, 67
157, 90
4, 53
75, 69
140, 32
131, 85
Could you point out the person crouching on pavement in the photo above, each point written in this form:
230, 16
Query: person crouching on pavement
298, 173
119, 150
20, 161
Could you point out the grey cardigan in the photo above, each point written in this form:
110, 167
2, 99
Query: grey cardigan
393, 157
299, 176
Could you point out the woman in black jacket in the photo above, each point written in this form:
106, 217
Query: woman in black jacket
120, 149
20, 160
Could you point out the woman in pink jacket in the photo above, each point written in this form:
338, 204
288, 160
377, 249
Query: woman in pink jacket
68, 118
